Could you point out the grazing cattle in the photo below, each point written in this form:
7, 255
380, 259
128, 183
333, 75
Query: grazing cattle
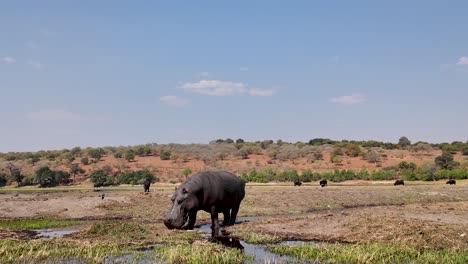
146, 185
213, 192
452, 181
297, 183
399, 182
323, 183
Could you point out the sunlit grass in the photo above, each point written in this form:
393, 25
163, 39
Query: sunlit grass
31, 224
368, 253
199, 253
13, 251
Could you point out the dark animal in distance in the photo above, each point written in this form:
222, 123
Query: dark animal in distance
213, 192
399, 182
146, 185
102, 196
297, 183
452, 181
323, 183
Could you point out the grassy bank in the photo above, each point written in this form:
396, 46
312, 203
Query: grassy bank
368, 253
32, 224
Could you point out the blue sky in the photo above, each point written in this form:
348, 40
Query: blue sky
99, 73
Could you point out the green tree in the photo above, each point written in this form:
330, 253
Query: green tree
85, 160
165, 155
404, 142
46, 177
445, 161
118, 155
3, 179
239, 141
130, 155
96, 154
100, 178
76, 169
15, 174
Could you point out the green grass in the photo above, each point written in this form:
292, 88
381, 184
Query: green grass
31, 224
12, 251
368, 253
200, 253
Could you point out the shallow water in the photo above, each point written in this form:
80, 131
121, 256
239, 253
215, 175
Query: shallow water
47, 233
258, 252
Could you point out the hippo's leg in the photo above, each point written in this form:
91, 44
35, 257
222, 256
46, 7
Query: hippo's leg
234, 211
191, 221
227, 217
214, 222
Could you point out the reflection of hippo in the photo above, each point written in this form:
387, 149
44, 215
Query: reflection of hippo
297, 183
323, 183
213, 192
399, 182
146, 185
452, 181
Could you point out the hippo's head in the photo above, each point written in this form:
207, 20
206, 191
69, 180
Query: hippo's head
184, 200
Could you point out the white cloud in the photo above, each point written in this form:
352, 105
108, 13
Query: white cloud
261, 92
214, 87
54, 115
36, 64
463, 61
8, 60
173, 100
349, 99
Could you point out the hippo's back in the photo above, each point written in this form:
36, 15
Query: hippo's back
222, 188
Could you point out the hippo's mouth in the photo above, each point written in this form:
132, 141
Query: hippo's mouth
186, 221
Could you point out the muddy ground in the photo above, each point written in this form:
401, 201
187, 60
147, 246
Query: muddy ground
421, 215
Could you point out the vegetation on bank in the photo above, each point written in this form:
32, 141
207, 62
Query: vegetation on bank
271, 175
28, 168
35, 224
368, 253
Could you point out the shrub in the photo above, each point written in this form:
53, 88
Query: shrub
85, 161
165, 155
373, 156
118, 155
186, 172
3, 179
100, 178
46, 177
129, 155
96, 154
407, 166
136, 177
28, 181
446, 162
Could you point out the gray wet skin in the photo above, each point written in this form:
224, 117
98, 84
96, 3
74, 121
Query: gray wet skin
213, 192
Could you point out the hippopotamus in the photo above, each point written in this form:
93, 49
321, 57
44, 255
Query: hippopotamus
399, 182
213, 192
323, 183
146, 185
452, 181
297, 183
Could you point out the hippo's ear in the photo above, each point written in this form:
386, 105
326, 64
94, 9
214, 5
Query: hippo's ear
185, 190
